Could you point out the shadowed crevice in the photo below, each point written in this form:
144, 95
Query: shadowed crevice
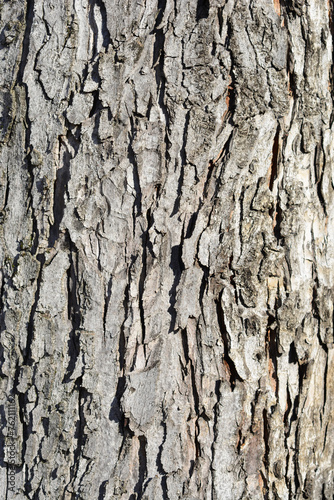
160, 468
202, 10
233, 374
274, 161
177, 266
142, 458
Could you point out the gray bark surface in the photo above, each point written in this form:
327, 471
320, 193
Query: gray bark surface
166, 247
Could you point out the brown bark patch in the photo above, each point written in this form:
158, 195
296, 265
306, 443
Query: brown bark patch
277, 7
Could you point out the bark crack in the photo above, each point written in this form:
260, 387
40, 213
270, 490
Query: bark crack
232, 373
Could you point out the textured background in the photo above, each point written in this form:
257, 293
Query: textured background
166, 247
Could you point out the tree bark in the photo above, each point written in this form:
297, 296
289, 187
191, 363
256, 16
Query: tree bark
167, 250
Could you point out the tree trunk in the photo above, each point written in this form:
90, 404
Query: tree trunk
167, 250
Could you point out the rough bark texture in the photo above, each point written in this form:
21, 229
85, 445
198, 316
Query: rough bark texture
167, 250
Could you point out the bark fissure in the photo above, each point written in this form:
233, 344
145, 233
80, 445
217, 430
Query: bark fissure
233, 375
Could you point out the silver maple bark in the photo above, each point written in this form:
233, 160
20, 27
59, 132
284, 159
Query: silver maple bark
166, 247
